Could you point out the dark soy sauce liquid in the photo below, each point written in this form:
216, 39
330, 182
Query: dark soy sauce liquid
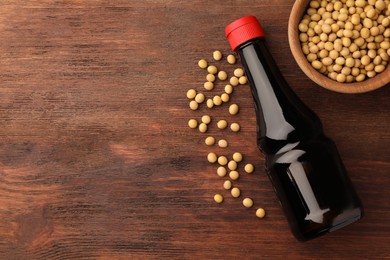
303, 164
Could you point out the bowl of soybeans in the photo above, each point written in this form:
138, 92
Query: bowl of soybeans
342, 45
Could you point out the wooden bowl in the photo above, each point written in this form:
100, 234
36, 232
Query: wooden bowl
368, 84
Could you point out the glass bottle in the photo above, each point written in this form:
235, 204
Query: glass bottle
302, 163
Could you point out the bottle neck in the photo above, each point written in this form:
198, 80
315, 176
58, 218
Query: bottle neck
265, 89
281, 115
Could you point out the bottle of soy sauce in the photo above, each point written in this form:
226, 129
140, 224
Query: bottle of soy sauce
303, 164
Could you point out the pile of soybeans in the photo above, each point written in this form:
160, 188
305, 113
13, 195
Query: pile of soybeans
347, 40
216, 92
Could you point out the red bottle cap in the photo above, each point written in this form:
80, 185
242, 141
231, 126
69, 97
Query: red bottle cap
242, 30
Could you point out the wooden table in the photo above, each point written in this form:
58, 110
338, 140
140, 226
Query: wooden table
97, 160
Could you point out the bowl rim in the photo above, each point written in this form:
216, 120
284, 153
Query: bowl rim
367, 85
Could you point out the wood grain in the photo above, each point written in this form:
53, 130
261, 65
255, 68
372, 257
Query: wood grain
97, 160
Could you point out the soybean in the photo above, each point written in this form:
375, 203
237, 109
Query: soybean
232, 165
208, 85
192, 123
227, 185
231, 59
206, 119
222, 143
222, 75
260, 213
212, 157
233, 109
221, 171
191, 93
202, 64
222, 160
237, 157
234, 175
247, 202
202, 128
235, 127
217, 55
249, 168
235, 192
218, 198
222, 124
209, 140
212, 69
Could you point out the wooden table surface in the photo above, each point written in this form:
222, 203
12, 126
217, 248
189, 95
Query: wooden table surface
97, 160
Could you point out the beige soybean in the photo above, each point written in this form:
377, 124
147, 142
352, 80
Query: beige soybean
349, 62
210, 77
231, 59
323, 53
227, 185
235, 192
206, 119
247, 202
225, 97
311, 57
212, 69
228, 89
365, 60
194, 105
233, 109
210, 103
380, 5
327, 61
232, 165
260, 213
222, 124
235, 127
202, 128
199, 98
249, 168
377, 60
379, 68
208, 85
386, 21
209, 141
371, 74
234, 175
217, 100
217, 55
341, 78
369, 67
192, 123
333, 54
237, 157
305, 49
222, 75
218, 198
222, 160
355, 19
191, 93
221, 171
202, 64
238, 72
316, 64
346, 71
340, 61
212, 157
242, 80
234, 81
385, 45
222, 143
